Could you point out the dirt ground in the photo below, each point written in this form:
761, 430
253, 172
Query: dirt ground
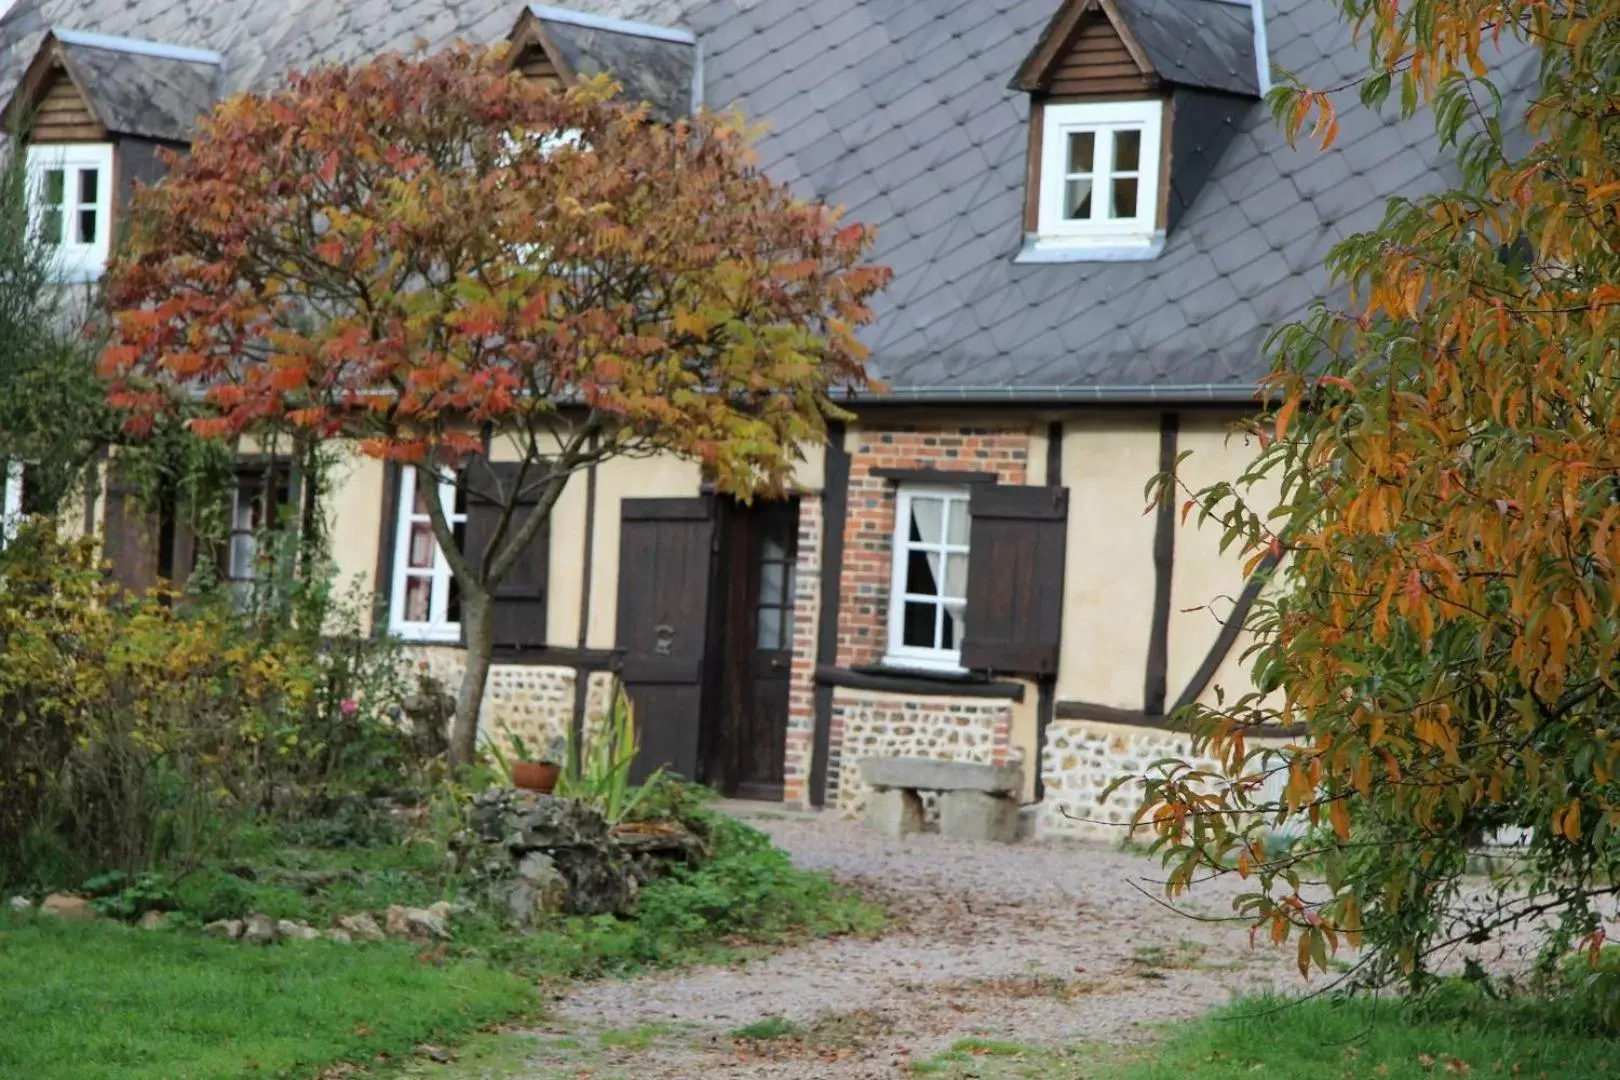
1043, 944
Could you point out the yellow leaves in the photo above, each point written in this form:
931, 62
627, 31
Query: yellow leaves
1569, 822
1339, 816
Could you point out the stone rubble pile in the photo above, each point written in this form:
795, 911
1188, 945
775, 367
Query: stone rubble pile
540, 855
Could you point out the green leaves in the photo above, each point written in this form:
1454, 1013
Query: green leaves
1447, 448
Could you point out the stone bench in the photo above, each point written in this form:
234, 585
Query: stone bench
976, 802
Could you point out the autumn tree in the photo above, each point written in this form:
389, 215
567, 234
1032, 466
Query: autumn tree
1448, 449
429, 254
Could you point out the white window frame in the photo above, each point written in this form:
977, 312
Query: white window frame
1102, 119
11, 499
900, 654
76, 262
438, 627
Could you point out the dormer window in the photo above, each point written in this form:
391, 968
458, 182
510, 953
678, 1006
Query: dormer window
1099, 182
71, 187
1128, 109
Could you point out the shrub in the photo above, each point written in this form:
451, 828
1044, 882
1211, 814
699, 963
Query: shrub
139, 730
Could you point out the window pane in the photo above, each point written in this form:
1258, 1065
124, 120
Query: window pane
244, 549
452, 605
770, 628
959, 522
927, 520
1082, 151
774, 550
772, 577
420, 555
953, 627
1077, 200
459, 504
918, 630
1124, 197
1127, 151
956, 571
419, 496
418, 599
55, 187
86, 233
50, 227
88, 183
920, 576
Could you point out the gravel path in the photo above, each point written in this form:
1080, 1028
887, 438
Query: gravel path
1034, 943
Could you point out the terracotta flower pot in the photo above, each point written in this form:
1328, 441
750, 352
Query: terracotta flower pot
538, 776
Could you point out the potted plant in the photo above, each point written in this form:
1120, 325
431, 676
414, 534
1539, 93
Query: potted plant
531, 775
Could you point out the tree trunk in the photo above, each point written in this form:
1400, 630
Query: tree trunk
478, 624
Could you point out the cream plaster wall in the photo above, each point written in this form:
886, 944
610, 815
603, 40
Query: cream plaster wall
1024, 737
1108, 573
1205, 582
353, 508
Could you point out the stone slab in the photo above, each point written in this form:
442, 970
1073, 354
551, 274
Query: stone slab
932, 774
975, 815
894, 812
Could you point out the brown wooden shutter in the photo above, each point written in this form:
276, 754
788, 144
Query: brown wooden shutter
520, 600
1015, 578
130, 535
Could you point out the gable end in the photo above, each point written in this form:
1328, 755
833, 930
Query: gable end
1086, 50
1096, 61
62, 115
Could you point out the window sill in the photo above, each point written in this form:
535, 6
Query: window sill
1048, 249
889, 680
899, 665
78, 275
416, 635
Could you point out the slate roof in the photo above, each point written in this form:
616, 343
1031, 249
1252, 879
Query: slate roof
655, 70
899, 110
1196, 42
156, 97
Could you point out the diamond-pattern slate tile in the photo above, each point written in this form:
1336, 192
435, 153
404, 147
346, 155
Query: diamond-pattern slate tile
899, 110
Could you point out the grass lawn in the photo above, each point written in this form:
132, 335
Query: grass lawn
1459, 1033
101, 999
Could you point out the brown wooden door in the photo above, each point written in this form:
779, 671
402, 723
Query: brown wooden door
665, 554
746, 756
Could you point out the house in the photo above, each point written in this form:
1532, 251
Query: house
1093, 224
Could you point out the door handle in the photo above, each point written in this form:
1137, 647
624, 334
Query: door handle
663, 640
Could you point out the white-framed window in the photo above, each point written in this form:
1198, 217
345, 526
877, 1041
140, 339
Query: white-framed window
254, 508
928, 590
1099, 183
12, 505
71, 187
425, 603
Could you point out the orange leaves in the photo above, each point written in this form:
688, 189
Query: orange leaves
456, 276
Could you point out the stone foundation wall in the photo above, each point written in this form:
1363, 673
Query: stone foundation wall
535, 703
1082, 757
868, 724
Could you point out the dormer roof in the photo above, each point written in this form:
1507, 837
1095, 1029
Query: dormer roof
1198, 44
94, 86
655, 64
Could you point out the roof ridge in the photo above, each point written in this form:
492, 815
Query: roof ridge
613, 25
137, 46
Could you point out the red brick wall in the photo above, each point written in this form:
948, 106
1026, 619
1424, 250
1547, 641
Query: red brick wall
802, 681
869, 531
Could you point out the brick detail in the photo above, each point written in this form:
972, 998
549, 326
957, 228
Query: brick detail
801, 725
869, 530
